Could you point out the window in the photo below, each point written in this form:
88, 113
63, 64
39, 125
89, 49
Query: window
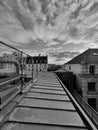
91, 69
91, 87
92, 102
45, 61
69, 67
36, 61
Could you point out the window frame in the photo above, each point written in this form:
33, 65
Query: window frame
91, 69
92, 102
91, 86
69, 67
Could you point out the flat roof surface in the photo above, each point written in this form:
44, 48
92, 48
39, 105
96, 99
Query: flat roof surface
47, 104
45, 108
47, 91
22, 126
48, 96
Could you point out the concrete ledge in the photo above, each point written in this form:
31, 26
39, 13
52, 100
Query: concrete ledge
84, 115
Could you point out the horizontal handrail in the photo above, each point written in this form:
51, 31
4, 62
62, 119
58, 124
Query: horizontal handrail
10, 80
92, 125
13, 48
91, 112
18, 74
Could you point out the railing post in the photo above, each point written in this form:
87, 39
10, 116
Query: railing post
36, 68
32, 69
0, 100
21, 66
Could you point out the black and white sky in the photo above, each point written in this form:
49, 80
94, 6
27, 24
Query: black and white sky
60, 28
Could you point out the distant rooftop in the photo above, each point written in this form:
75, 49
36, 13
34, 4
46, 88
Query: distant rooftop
89, 56
39, 57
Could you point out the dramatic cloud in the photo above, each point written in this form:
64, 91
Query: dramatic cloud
61, 57
38, 25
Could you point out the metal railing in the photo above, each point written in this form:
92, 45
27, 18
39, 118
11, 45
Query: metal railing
81, 105
90, 124
17, 80
89, 110
21, 64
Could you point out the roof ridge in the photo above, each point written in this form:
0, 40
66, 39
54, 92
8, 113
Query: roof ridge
82, 56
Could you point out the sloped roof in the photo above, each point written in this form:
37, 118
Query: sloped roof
37, 59
89, 56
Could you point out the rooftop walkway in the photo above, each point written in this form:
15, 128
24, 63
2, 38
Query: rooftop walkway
46, 106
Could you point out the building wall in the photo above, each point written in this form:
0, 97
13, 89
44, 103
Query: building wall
78, 82
85, 68
83, 77
76, 68
83, 84
37, 67
80, 69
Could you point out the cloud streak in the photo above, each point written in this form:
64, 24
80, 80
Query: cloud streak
53, 22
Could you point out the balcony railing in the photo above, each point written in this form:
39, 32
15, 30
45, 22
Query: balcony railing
15, 72
88, 109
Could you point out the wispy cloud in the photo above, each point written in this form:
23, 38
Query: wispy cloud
54, 23
63, 56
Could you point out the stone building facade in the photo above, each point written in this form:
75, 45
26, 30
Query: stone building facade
40, 63
85, 67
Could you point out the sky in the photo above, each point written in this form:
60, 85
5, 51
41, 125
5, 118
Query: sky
61, 29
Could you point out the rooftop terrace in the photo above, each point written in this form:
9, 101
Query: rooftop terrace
47, 105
